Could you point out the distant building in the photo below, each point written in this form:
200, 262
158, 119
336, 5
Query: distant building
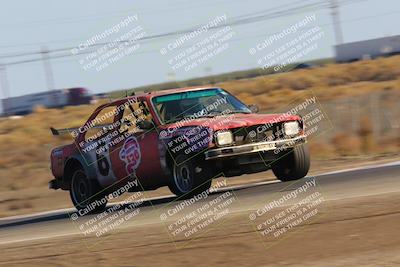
25, 104
373, 48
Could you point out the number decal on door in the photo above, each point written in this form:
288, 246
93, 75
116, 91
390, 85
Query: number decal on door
102, 162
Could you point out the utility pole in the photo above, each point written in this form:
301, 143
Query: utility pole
208, 71
49, 74
336, 22
4, 86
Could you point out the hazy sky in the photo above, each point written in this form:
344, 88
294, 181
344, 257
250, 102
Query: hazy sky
26, 26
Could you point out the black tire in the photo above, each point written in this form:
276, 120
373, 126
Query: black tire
85, 191
189, 177
294, 165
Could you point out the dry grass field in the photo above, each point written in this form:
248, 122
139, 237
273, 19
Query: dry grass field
25, 143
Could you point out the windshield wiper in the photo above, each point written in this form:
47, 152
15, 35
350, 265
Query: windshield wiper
176, 119
180, 118
207, 115
217, 113
237, 111
210, 114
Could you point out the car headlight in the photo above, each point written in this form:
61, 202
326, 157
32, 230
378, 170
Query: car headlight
291, 128
224, 138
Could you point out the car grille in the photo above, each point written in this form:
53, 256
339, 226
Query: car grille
257, 133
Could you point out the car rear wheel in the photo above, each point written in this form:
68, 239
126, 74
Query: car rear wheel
294, 165
85, 191
189, 177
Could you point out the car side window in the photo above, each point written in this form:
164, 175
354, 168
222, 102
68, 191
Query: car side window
132, 114
99, 124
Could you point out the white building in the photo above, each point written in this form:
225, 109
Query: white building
368, 49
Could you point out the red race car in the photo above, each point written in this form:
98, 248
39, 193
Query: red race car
180, 138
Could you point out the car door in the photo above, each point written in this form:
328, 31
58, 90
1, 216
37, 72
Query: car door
136, 152
95, 145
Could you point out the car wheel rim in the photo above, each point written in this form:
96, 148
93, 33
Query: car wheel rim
80, 188
183, 178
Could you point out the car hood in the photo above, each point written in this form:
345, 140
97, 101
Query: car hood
234, 121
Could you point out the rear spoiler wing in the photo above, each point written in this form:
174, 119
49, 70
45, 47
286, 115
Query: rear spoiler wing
76, 129
62, 131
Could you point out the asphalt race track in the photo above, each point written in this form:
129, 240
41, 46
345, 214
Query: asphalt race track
346, 200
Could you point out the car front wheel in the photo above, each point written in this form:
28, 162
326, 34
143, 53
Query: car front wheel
294, 165
189, 177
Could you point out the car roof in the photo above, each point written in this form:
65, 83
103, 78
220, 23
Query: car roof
149, 95
169, 91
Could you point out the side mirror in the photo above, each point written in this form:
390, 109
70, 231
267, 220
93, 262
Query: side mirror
254, 108
144, 125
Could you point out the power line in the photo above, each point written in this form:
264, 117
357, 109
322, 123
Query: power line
231, 40
240, 20
97, 17
76, 39
245, 19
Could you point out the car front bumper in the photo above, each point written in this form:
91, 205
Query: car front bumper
276, 146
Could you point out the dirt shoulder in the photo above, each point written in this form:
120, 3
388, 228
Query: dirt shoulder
353, 231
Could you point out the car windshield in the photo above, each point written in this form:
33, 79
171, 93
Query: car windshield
197, 104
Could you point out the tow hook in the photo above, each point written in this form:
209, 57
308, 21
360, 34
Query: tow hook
53, 184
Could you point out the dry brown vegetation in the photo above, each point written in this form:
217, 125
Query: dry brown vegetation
329, 82
25, 143
332, 83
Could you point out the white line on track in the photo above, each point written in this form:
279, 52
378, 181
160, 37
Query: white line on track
244, 209
70, 210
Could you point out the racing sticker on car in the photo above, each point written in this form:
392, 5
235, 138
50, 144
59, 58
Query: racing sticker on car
130, 154
99, 158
